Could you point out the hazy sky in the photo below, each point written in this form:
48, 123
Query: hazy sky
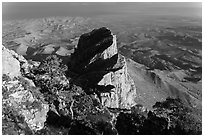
21, 10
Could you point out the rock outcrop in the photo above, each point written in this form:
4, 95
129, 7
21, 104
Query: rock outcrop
125, 91
98, 65
20, 94
10, 65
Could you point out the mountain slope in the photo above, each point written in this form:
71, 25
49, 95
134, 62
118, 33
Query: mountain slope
156, 85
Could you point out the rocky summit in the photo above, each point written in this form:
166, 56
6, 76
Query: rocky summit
90, 53
96, 60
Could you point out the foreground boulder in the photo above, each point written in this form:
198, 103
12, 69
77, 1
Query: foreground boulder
21, 101
98, 65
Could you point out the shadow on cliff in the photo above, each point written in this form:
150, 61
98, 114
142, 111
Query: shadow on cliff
94, 74
87, 65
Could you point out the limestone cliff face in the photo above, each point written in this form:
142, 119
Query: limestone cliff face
124, 93
96, 59
112, 50
20, 94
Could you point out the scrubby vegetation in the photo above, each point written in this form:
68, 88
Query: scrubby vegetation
168, 117
70, 106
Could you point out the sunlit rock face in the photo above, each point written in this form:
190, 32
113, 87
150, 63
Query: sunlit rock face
96, 59
13, 64
10, 65
20, 96
124, 93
